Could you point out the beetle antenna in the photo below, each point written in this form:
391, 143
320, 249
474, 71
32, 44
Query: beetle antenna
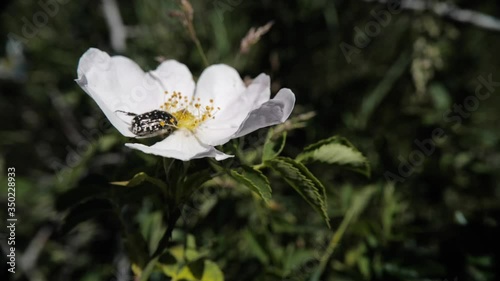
128, 113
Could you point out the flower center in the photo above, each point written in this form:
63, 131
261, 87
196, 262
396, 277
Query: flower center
190, 113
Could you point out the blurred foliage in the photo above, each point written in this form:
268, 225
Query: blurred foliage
438, 223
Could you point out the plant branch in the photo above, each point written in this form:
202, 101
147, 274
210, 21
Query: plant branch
451, 11
117, 30
357, 206
186, 17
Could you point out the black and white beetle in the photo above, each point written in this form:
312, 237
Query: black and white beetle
153, 123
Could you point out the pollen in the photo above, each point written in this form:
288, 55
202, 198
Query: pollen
189, 112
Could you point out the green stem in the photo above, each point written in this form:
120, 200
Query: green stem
167, 166
238, 151
173, 216
337, 236
236, 60
259, 166
373, 100
196, 41
357, 206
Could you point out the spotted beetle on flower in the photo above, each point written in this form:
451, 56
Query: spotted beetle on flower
193, 117
150, 124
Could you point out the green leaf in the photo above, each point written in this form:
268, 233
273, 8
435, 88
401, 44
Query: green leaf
254, 247
268, 151
148, 270
212, 272
188, 265
297, 258
198, 270
152, 228
136, 248
336, 150
303, 181
255, 180
85, 211
180, 253
136, 189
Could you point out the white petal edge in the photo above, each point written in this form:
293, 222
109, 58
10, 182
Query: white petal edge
270, 113
113, 118
221, 83
258, 92
219, 130
119, 82
175, 76
182, 145
93, 58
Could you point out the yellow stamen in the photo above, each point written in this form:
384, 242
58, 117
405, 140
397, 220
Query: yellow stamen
189, 112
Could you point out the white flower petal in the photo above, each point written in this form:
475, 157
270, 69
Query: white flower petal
175, 76
219, 130
221, 83
182, 145
118, 83
270, 113
258, 92
113, 118
215, 135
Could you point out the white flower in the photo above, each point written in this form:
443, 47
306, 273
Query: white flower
218, 109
